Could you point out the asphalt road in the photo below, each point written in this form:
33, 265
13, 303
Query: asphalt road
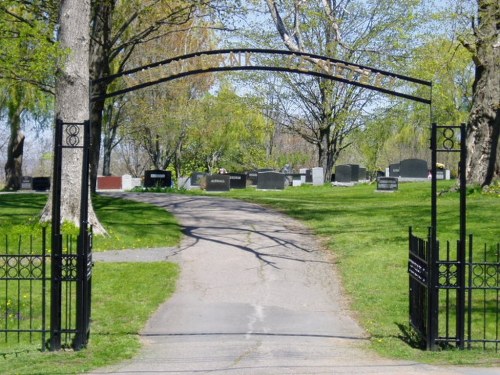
256, 295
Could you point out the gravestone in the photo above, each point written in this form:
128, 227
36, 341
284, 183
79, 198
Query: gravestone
129, 182
218, 182
271, 181
26, 183
413, 168
303, 172
109, 183
318, 177
355, 172
40, 183
237, 180
184, 183
252, 177
158, 178
394, 170
343, 173
296, 179
387, 183
309, 178
196, 178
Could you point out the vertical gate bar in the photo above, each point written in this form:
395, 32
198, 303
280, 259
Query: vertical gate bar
56, 255
44, 284
497, 333
485, 259
432, 288
6, 288
82, 249
18, 273
469, 296
462, 246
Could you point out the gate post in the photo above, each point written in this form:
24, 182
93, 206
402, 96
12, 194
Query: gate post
84, 263
83, 259
56, 254
433, 281
448, 145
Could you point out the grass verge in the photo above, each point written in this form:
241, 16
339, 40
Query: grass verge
117, 319
368, 233
130, 224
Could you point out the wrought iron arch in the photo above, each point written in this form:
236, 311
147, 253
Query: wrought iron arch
241, 59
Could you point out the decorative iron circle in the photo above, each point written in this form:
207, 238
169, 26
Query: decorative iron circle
449, 142
72, 132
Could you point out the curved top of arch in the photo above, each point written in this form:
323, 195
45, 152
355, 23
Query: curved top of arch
271, 60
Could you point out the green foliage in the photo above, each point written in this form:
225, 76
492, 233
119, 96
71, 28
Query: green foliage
29, 51
227, 131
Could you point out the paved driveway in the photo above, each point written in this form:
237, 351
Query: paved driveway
256, 295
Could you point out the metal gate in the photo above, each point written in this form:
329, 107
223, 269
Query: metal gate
71, 273
453, 292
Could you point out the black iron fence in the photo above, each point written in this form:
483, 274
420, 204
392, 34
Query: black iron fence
25, 292
445, 311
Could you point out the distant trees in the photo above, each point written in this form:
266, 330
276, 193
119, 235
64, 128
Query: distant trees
27, 67
368, 33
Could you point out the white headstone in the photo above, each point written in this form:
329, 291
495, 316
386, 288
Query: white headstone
303, 172
317, 176
184, 183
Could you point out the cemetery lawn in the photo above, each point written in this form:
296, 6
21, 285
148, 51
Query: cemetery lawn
130, 225
367, 231
120, 309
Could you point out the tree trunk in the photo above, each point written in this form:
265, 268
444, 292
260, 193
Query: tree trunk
72, 106
102, 13
483, 128
13, 166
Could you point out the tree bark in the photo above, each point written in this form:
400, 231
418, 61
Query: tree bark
72, 106
483, 128
13, 166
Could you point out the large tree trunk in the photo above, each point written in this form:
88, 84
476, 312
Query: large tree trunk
72, 106
483, 128
102, 15
13, 166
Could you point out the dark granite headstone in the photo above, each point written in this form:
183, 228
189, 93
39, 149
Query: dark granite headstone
440, 174
309, 177
40, 183
157, 177
237, 180
218, 182
343, 173
196, 177
26, 183
413, 168
387, 183
271, 181
394, 170
252, 177
355, 172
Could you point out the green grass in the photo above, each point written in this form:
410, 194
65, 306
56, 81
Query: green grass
130, 224
368, 233
120, 308
117, 318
